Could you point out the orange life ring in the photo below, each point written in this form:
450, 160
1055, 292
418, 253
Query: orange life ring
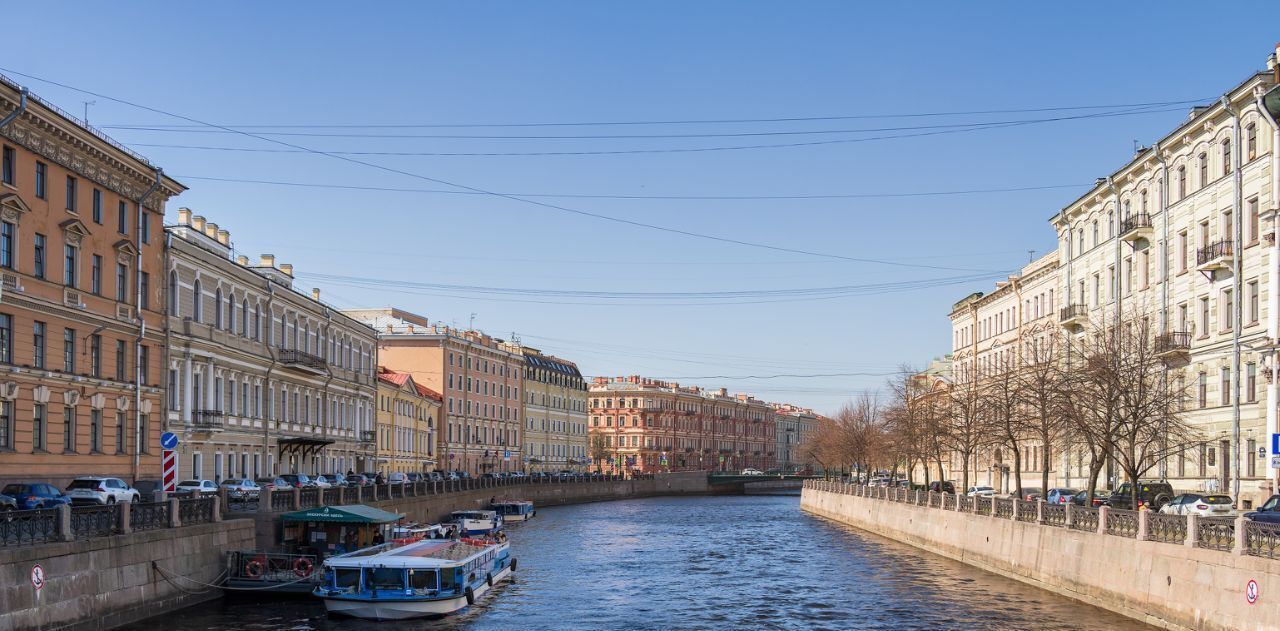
303, 567
253, 569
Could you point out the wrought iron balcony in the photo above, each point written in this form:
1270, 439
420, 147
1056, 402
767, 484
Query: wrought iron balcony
1135, 227
1073, 314
1173, 343
302, 359
369, 436
209, 420
1219, 255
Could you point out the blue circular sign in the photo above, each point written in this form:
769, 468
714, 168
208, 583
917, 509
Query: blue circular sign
168, 440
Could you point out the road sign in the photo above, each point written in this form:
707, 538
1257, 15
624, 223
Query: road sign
506, 455
1250, 590
1275, 462
1275, 444
169, 470
168, 440
37, 577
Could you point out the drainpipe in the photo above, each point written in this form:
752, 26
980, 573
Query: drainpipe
1236, 269
22, 107
142, 325
1116, 285
1164, 287
1273, 298
266, 382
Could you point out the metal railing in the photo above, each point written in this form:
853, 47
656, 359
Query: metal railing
982, 505
1003, 507
1214, 251
350, 495
1166, 528
149, 516
966, 503
1262, 540
282, 499
1215, 533
196, 511
25, 527
207, 419
1055, 515
309, 498
1173, 341
269, 567
1071, 312
1084, 518
1133, 222
1026, 510
1122, 523
294, 357
94, 521
333, 496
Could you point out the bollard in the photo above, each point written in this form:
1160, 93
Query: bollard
125, 511
1040, 511
217, 511
1016, 508
1241, 542
174, 520
222, 497
1103, 513
1144, 524
264, 500
1193, 528
1067, 520
359, 493
297, 498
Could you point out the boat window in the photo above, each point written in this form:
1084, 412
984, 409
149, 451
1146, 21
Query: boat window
447, 581
422, 579
346, 579
386, 578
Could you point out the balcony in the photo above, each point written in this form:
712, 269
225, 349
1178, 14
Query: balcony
207, 420
1073, 315
369, 436
1135, 227
1173, 343
1215, 256
302, 360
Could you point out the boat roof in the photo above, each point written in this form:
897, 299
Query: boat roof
482, 513
348, 514
512, 502
431, 553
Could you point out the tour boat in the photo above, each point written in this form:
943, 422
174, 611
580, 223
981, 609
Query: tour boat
514, 510
416, 532
476, 522
428, 578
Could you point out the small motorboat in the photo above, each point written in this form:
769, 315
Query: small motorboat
514, 510
476, 522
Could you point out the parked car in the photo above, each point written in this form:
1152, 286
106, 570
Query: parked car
1269, 512
241, 490
396, 477
195, 488
451, 476
981, 491
320, 482
31, 495
942, 487
1099, 498
148, 488
272, 483
414, 477
752, 471
490, 475
1153, 495
357, 479
1059, 496
517, 474
435, 476
100, 491
296, 480
8, 503
1205, 505
1029, 494
335, 479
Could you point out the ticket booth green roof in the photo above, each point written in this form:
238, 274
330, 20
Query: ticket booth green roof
351, 514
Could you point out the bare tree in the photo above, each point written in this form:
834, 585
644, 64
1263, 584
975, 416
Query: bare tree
965, 432
1042, 391
910, 423
599, 450
1001, 409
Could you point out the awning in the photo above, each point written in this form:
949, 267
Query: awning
302, 447
350, 514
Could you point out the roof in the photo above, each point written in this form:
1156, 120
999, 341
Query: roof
349, 514
428, 393
552, 363
429, 553
399, 379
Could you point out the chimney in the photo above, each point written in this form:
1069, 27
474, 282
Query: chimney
211, 230
224, 237
267, 260
184, 216
197, 222
287, 269
242, 260
315, 294
410, 327
724, 392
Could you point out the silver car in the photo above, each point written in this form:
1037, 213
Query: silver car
241, 490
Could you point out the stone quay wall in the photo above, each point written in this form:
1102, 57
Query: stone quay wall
104, 582
1139, 569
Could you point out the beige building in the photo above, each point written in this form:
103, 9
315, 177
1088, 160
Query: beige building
555, 412
407, 413
794, 424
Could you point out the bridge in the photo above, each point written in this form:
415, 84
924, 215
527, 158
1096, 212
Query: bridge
739, 484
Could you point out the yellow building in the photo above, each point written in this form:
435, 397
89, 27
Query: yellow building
407, 413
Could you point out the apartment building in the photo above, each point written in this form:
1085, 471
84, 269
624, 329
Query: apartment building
793, 425
647, 425
480, 379
407, 413
555, 412
81, 251
262, 379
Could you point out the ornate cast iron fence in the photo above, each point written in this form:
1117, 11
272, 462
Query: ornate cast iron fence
1166, 528
94, 521
1216, 533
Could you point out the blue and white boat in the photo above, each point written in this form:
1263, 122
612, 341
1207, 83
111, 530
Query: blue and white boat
514, 510
428, 578
476, 522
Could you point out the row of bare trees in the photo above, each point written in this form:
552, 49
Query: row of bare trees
1105, 391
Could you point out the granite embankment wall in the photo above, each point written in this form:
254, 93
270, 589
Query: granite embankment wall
1168, 585
435, 507
105, 582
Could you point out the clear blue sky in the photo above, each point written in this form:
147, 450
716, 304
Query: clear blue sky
520, 62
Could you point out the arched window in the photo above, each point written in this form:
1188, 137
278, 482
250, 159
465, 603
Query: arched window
173, 293
231, 312
1182, 181
1143, 197
1095, 232
196, 298
1204, 169
1226, 157
217, 308
244, 318
1251, 141
1111, 223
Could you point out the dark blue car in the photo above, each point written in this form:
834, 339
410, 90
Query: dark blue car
1269, 512
30, 495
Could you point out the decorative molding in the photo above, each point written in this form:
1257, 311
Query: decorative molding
122, 404
40, 394
98, 401
71, 397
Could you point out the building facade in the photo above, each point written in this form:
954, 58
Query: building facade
555, 412
81, 254
407, 413
646, 425
794, 425
262, 379
480, 379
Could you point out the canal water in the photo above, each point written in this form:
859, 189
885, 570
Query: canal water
753, 562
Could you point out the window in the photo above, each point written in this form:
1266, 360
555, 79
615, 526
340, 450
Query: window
1095, 234
95, 431
95, 276
37, 343
1251, 216
97, 206
7, 231
68, 350
122, 218
121, 358
1202, 390
1204, 317
1251, 293
68, 429
7, 171
6, 338
1225, 374
40, 256
1251, 383
1182, 181
217, 308
144, 287
42, 172
95, 355
122, 282
71, 194
196, 299
6, 425
70, 256
144, 226
121, 442
1226, 158
1251, 141
1204, 169
143, 432
1228, 310
38, 428
144, 365
1251, 457
173, 293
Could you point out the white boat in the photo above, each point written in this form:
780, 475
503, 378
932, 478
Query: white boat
427, 578
476, 522
514, 510
415, 532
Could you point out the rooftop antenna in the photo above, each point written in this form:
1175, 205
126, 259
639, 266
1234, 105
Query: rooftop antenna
1031, 255
86, 110
471, 325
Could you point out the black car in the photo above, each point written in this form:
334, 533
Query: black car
1153, 495
1269, 512
943, 487
1100, 498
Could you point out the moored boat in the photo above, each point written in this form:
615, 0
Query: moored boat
514, 510
427, 578
476, 522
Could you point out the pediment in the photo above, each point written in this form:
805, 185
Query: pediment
12, 207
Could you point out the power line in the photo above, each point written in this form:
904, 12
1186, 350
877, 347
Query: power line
788, 376
654, 197
685, 122
534, 202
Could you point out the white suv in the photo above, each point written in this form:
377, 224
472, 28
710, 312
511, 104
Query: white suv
94, 490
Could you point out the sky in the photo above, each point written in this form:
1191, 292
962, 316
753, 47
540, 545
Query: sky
608, 270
